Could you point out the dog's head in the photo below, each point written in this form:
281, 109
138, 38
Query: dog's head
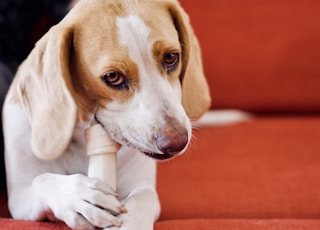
133, 65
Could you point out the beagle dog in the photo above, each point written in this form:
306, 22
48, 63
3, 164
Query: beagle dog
133, 66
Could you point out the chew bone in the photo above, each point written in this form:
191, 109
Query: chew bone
102, 152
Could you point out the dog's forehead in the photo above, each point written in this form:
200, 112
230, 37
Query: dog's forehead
121, 37
100, 29
143, 41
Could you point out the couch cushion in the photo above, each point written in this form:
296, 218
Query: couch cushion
260, 55
191, 224
31, 225
237, 224
268, 167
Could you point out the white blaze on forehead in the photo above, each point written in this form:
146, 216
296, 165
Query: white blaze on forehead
134, 34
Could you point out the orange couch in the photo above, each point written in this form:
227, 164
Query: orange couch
262, 57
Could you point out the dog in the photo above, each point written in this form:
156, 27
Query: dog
133, 66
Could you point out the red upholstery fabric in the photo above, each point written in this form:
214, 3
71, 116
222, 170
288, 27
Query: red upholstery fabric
29, 225
265, 168
191, 224
238, 224
260, 56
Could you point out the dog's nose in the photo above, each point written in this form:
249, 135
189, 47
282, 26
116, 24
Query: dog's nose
171, 141
172, 145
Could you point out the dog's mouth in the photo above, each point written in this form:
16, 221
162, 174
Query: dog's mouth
159, 156
156, 156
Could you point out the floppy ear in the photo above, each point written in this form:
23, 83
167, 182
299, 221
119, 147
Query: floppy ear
44, 88
195, 91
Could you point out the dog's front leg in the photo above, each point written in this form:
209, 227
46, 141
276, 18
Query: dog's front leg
143, 209
136, 185
82, 202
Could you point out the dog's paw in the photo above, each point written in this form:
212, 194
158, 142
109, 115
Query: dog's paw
81, 202
132, 221
143, 207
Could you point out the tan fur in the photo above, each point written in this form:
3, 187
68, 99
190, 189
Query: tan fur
195, 91
45, 90
59, 84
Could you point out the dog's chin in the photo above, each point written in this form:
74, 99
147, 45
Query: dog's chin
159, 156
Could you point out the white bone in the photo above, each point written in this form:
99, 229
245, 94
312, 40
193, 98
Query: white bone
102, 152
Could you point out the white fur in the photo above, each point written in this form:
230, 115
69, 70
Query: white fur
60, 189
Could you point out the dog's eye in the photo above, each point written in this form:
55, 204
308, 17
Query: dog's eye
171, 61
115, 80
